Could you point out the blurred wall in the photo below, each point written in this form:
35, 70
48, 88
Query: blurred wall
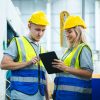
2, 32
8, 13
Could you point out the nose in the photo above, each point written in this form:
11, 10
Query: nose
40, 32
66, 34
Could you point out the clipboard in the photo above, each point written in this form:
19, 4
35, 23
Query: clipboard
47, 59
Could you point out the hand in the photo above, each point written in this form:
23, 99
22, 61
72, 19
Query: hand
59, 64
35, 60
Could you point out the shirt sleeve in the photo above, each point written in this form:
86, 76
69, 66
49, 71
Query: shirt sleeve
86, 59
12, 50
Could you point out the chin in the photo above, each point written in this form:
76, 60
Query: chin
37, 40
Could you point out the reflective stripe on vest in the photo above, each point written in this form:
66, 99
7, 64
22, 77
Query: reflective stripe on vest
68, 83
74, 88
26, 79
82, 85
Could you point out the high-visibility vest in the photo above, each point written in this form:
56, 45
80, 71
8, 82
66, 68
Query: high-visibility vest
72, 87
31, 78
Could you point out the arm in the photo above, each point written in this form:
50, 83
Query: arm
7, 63
10, 55
79, 72
86, 65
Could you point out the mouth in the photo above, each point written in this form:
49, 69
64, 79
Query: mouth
38, 38
69, 38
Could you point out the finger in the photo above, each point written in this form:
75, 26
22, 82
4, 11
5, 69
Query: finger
38, 57
55, 66
54, 63
35, 60
56, 60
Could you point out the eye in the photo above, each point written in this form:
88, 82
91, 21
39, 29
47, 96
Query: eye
43, 30
70, 31
38, 29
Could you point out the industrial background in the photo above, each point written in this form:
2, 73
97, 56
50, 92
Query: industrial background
13, 22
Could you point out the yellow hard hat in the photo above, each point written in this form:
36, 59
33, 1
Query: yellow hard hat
73, 21
39, 18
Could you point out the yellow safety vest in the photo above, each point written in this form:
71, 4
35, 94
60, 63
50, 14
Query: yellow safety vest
31, 78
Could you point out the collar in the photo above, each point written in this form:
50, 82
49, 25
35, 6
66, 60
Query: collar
32, 41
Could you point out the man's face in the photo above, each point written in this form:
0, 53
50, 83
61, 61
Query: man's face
36, 31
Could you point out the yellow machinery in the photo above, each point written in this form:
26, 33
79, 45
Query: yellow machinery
63, 16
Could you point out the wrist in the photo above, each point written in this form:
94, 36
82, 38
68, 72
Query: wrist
67, 70
29, 62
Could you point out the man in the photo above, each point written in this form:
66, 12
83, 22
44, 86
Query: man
28, 76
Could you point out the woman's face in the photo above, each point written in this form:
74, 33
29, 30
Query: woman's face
71, 35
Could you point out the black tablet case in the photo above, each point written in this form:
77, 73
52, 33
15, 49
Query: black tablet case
47, 59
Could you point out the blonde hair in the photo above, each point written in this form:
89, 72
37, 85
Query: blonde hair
80, 32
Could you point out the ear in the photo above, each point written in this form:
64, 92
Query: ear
29, 25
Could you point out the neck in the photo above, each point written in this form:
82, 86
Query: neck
32, 38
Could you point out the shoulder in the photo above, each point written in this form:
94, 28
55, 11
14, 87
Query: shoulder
85, 57
86, 52
12, 42
85, 48
12, 49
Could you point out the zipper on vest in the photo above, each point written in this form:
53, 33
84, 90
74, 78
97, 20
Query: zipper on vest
39, 75
39, 71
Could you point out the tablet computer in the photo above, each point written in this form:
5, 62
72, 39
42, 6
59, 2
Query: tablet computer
47, 59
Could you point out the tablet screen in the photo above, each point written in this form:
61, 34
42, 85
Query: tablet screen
47, 59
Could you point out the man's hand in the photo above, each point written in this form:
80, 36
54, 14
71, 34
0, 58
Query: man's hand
35, 60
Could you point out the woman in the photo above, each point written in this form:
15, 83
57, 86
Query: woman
74, 83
